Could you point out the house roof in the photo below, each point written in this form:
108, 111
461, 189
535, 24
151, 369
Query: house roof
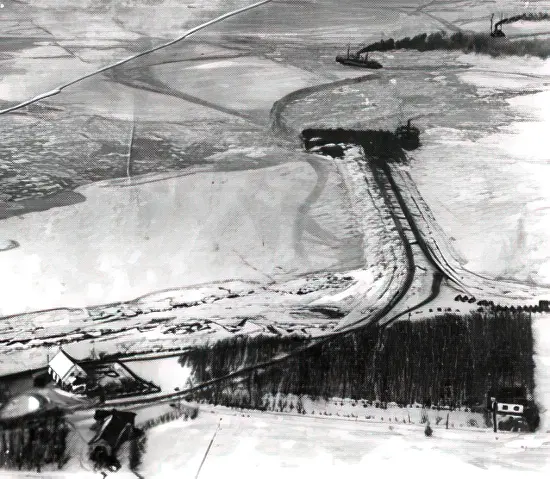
62, 364
115, 424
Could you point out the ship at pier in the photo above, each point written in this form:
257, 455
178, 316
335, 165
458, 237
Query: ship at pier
408, 136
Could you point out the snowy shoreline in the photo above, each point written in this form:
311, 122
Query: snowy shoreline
6, 245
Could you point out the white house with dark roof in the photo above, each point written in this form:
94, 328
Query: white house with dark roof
65, 371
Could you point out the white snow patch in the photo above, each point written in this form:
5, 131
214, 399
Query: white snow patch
229, 225
298, 447
363, 282
212, 65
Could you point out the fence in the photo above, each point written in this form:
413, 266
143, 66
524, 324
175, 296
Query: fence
180, 410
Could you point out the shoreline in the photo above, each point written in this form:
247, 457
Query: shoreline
10, 244
33, 205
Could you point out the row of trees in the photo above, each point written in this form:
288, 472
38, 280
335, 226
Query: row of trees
542, 307
227, 355
450, 359
32, 443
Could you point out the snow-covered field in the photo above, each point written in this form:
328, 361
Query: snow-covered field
496, 204
269, 445
440, 89
167, 232
266, 298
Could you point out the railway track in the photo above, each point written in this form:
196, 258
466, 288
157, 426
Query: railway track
408, 232
380, 318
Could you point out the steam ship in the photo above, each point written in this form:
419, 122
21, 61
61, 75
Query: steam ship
356, 60
408, 136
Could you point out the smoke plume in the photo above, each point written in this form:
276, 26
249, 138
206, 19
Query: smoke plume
467, 42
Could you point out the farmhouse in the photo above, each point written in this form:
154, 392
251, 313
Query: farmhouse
512, 402
66, 372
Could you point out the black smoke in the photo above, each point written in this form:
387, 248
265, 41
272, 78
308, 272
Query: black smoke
531, 17
467, 42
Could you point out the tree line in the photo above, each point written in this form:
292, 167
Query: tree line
450, 359
32, 443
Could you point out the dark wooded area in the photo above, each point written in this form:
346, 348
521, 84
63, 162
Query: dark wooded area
450, 359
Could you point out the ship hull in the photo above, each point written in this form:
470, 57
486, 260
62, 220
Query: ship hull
371, 64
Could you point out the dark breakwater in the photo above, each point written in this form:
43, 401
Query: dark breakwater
377, 144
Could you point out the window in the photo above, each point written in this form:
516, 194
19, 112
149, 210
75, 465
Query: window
505, 407
516, 408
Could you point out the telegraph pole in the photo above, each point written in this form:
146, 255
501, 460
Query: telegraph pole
129, 157
208, 449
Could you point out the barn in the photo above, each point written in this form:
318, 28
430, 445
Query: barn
66, 372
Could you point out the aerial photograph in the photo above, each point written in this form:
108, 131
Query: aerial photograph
277, 238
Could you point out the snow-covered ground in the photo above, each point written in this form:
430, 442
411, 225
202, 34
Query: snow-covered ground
123, 276
282, 230
163, 233
271, 300
492, 198
252, 444
363, 410
385, 268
